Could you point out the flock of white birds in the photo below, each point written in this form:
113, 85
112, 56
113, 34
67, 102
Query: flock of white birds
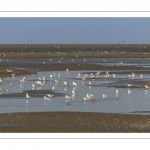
83, 77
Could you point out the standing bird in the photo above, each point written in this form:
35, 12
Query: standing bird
44, 78
27, 96
50, 95
66, 83
105, 95
86, 98
47, 98
146, 87
59, 75
117, 91
90, 96
10, 83
56, 81
141, 76
6, 89
67, 97
74, 84
129, 91
53, 88
39, 82
114, 75
51, 76
33, 86
129, 85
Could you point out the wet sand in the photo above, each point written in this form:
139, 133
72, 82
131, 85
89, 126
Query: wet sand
70, 66
59, 54
78, 122
71, 121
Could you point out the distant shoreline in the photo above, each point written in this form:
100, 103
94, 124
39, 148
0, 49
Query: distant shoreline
73, 46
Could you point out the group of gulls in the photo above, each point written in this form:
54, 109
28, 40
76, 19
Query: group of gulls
88, 96
80, 76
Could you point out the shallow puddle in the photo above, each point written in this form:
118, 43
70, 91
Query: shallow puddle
127, 101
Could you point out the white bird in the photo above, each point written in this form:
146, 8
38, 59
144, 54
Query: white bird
79, 76
27, 96
92, 76
21, 81
47, 98
129, 85
22, 86
90, 96
86, 75
141, 76
9, 71
53, 88
90, 83
105, 95
1, 80
146, 87
67, 97
33, 86
10, 83
86, 99
117, 91
50, 95
83, 78
66, 83
24, 79
51, 76
59, 75
44, 78
74, 84
67, 69
133, 74
114, 75
13, 75
97, 73
6, 89
73, 92
120, 62
56, 81
129, 76
39, 82
129, 91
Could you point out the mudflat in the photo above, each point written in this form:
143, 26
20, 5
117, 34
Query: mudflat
78, 122
71, 121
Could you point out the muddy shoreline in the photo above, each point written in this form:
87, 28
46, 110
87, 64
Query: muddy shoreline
72, 46
74, 122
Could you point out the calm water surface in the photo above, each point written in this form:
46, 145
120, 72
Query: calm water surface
135, 99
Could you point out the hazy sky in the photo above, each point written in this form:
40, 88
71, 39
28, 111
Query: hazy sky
67, 30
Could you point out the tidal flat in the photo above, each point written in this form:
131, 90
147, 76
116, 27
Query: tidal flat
26, 60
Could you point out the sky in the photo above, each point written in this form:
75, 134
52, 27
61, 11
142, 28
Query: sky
63, 30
